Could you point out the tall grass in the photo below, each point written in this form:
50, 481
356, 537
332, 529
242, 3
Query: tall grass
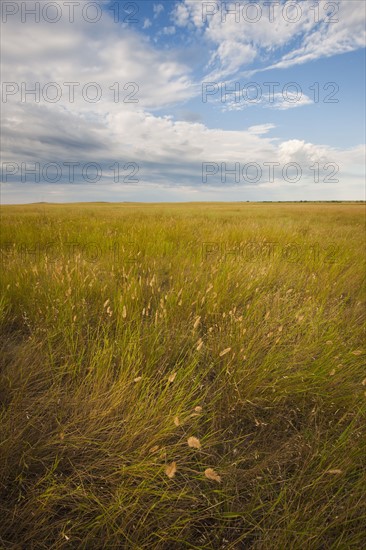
129, 329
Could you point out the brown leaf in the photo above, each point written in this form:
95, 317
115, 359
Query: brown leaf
211, 474
224, 352
176, 421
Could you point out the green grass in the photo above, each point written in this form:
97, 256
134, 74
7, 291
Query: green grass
91, 413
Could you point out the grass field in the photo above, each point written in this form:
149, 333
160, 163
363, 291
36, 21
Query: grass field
183, 376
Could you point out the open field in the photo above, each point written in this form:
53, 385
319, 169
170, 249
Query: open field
183, 376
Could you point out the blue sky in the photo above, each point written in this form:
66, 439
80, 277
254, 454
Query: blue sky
172, 131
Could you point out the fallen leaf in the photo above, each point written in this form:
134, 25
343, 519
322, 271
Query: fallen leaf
194, 442
171, 469
225, 351
211, 474
176, 421
334, 472
137, 379
198, 409
154, 449
357, 352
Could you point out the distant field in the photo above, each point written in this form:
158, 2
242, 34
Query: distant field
183, 376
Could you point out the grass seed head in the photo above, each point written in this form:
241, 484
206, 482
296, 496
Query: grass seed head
171, 470
197, 322
211, 474
194, 442
172, 377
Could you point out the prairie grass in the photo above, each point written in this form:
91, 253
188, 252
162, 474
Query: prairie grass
170, 379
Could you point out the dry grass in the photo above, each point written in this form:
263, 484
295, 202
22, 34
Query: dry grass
162, 393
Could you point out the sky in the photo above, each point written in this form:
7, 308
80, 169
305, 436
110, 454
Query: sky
188, 100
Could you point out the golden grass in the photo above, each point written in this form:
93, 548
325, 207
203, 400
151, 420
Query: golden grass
183, 376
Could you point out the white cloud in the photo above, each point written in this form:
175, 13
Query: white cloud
189, 13
157, 9
168, 31
232, 55
170, 152
290, 101
277, 101
147, 23
181, 15
104, 54
260, 129
238, 40
330, 39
